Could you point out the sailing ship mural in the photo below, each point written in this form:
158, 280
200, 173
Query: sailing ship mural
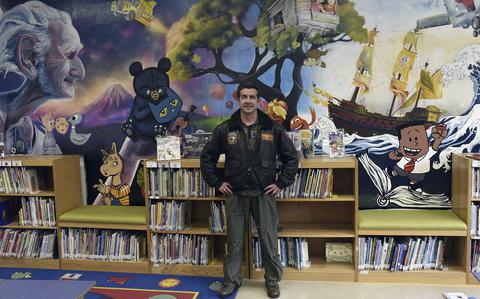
353, 114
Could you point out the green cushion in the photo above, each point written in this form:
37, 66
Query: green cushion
410, 220
106, 214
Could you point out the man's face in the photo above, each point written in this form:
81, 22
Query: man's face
413, 142
248, 100
62, 66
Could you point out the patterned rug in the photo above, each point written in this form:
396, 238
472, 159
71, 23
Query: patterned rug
110, 285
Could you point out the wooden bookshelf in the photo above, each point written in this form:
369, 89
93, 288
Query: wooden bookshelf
59, 179
320, 220
30, 263
319, 270
199, 226
462, 198
141, 266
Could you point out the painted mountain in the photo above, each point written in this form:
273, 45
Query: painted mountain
113, 106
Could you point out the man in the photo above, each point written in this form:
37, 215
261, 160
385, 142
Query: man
38, 62
414, 151
251, 143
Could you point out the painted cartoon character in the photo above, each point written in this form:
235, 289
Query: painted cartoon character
298, 123
75, 137
49, 146
117, 193
156, 105
414, 151
61, 125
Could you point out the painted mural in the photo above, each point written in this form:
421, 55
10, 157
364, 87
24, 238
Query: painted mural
103, 78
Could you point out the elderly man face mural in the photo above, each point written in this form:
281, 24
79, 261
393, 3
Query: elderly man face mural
39, 49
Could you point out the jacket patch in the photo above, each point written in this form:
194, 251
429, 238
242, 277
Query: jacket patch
232, 138
267, 137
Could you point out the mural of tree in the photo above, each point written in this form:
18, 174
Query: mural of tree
214, 25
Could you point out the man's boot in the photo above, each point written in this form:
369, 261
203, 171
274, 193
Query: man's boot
273, 290
227, 289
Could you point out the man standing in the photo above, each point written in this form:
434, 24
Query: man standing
251, 143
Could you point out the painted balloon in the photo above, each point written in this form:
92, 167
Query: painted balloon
216, 91
206, 108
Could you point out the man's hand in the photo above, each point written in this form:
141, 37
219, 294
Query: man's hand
272, 189
225, 188
395, 155
439, 131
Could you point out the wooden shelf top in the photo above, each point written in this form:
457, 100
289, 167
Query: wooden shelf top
316, 230
39, 193
193, 229
115, 226
189, 198
327, 162
328, 199
35, 160
446, 233
316, 162
17, 225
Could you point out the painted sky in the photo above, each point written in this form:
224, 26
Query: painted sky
438, 46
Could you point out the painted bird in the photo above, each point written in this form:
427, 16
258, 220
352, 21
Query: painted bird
77, 138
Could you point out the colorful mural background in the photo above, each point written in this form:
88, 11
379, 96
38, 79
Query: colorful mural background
214, 45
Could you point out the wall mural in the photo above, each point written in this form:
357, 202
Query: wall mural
401, 80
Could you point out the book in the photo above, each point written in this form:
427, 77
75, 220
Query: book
194, 143
335, 141
455, 295
168, 148
339, 252
306, 138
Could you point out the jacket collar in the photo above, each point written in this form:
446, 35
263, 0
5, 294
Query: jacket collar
235, 122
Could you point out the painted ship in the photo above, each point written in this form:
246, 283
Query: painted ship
354, 117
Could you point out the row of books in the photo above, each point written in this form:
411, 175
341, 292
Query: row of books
172, 182
401, 253
18, 180
475, 182
180, 249
170, 214
218, 217
18, 243
310, 183
475, 256
102, 244
293, 252
37, 211
474, 220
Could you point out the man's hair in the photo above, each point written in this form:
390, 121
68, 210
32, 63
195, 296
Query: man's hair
32, 17
408, 124
244, 86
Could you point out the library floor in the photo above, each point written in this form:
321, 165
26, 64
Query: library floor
345, 290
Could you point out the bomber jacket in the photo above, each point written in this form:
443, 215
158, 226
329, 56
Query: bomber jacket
242, 168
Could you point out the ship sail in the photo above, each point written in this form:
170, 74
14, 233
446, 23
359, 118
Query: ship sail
363, 72
402, 67
428, 87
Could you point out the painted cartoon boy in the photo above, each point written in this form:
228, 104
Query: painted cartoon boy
414, 151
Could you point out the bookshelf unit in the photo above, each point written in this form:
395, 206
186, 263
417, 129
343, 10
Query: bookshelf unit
321, 220
198, 226
462, 185
457, 240
58, 179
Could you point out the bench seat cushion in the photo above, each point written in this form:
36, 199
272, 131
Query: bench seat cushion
410, 220
106, 214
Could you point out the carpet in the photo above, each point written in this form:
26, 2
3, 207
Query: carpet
111, 285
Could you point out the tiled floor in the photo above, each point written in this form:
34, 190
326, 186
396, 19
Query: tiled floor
252, 289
